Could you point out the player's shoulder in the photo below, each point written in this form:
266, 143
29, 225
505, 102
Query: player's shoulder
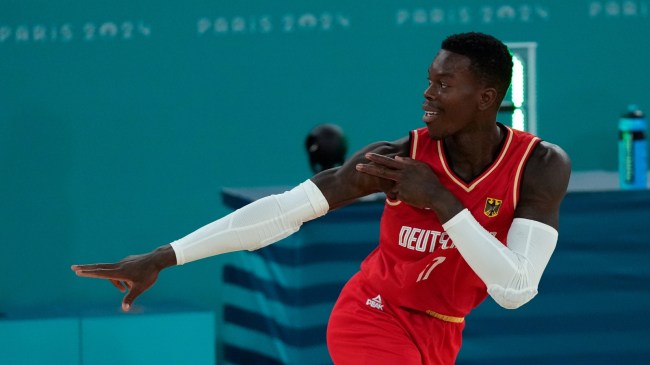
548, 168
548, 155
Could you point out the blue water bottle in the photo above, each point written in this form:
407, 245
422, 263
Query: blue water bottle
632, 150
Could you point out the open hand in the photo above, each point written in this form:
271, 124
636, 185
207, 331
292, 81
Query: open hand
132, 275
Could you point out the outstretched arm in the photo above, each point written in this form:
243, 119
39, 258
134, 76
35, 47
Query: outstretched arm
254, 226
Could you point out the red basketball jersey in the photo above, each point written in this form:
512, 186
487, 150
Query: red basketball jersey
416, 264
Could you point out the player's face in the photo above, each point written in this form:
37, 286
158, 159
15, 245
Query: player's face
451, 98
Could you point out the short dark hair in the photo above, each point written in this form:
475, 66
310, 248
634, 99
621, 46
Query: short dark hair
491, 60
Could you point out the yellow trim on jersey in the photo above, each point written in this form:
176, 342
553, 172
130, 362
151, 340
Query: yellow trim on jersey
414, 144
515, 191
444, 317
486, 174
414, 147
393, 202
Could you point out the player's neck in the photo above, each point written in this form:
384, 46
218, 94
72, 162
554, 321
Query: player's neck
472, 152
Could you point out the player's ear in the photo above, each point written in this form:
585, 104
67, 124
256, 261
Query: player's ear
487, 98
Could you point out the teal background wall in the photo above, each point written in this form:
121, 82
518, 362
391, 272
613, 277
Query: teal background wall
120, 122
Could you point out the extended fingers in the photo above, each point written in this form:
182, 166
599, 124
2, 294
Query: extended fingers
381, 166
383, 160
102, 273
91, 267
379, 171
406, 160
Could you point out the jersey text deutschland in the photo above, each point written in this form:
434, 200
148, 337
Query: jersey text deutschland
425, 240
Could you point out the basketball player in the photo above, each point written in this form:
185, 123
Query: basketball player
472, 210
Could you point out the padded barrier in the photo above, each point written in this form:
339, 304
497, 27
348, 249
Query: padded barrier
593, 307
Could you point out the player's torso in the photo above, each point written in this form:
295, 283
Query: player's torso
416, 264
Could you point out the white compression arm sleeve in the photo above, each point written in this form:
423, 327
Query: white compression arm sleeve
256, 225
511, 273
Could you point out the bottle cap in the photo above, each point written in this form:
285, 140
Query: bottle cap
633, 111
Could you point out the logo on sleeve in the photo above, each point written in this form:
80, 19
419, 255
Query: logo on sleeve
492, 207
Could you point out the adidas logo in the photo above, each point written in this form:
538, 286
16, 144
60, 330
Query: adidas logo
375, 303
